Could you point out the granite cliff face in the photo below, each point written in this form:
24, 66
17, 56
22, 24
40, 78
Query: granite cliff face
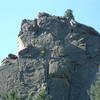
55, 54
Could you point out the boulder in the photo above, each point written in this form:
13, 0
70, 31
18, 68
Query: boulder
12, 56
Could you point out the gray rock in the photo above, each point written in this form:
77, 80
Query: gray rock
8, 76
43, 15
58, 55
1, 98
12, 56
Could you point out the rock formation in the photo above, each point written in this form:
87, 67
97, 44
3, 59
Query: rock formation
55, 54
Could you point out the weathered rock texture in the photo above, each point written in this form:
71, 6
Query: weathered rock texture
55, 54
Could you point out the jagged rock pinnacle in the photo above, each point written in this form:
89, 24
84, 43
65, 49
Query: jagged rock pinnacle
55, 54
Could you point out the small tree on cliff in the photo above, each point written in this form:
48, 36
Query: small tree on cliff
69, 14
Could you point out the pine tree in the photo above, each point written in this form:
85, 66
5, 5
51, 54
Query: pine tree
69, 14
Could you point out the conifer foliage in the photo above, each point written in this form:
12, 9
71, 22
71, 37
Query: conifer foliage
69, 14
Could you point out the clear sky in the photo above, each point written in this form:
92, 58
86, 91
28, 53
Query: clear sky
12, 12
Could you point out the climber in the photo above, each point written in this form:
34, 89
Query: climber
12, 56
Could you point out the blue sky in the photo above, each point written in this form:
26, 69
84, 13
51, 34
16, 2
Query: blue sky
12, 12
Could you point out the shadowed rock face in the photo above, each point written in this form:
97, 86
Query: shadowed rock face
58, 55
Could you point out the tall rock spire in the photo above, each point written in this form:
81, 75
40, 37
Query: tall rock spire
58, 56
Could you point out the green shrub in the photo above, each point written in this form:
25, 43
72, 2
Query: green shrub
29, 97
12, 95
95, 89
43, 95
69, 14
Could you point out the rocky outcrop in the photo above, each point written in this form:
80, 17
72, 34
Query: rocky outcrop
55, 54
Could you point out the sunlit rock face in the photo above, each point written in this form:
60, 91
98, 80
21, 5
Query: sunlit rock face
21, 44
55, 54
